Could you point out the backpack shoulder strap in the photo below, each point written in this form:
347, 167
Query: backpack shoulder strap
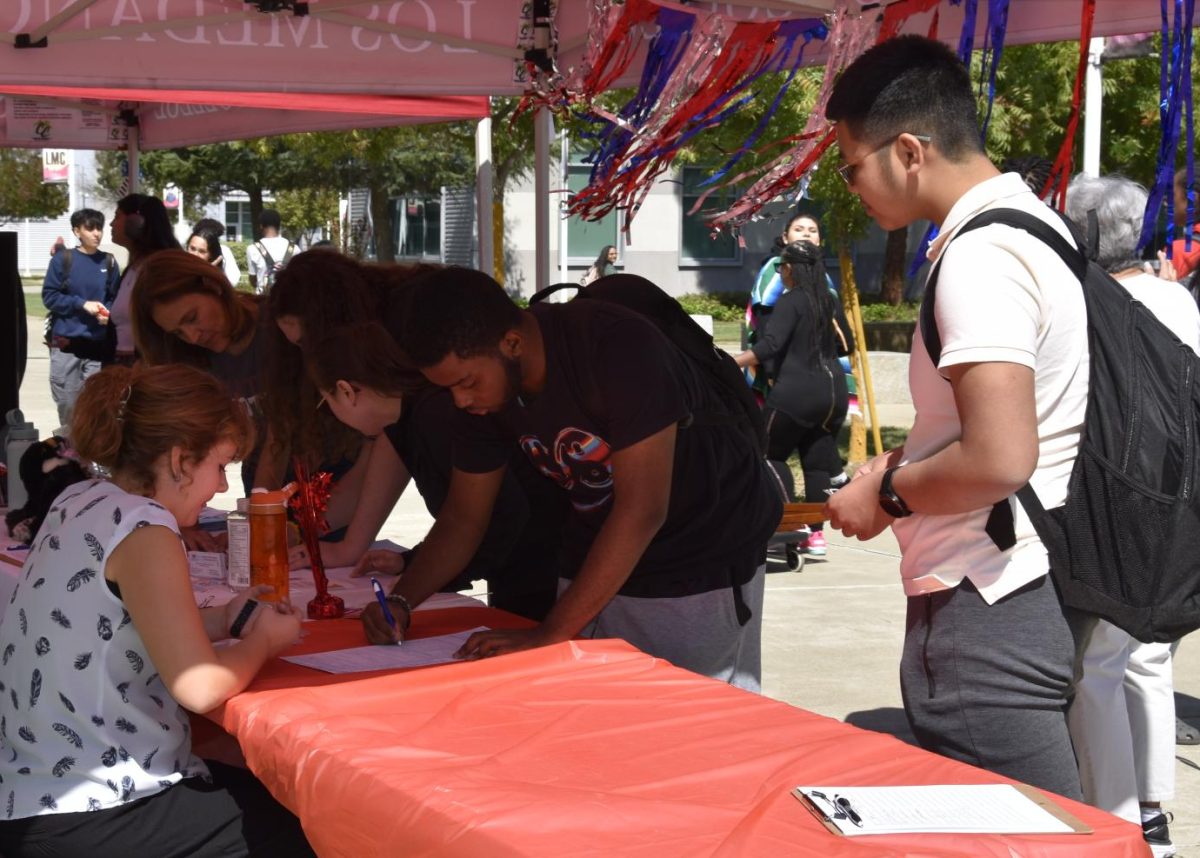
289, 253
68, 258
542, 294
1073, 256
262, 248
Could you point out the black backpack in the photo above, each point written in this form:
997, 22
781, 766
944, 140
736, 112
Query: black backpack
1125, 545
640, 295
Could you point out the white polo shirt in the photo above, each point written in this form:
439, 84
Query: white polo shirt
1002, 296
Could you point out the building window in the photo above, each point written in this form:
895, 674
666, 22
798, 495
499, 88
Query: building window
697, 245
239, 226
586, 238
418, 224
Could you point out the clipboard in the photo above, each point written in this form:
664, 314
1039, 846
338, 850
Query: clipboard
1073, 824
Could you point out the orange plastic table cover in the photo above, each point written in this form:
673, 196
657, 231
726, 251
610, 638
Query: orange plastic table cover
588, 748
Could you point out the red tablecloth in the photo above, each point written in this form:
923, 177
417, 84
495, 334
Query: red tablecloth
581, 749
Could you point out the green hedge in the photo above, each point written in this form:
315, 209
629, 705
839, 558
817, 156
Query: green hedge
906, 312
722, 306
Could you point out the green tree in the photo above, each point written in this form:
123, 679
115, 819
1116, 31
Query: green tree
406, 159
305, 211
22, 192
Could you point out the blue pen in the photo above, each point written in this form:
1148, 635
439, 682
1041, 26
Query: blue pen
382, 599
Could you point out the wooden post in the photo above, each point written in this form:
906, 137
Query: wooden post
861, 364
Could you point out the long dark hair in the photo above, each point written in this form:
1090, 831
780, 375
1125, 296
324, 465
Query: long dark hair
602, 259
363, 353
323, 290
147, 227
810, 279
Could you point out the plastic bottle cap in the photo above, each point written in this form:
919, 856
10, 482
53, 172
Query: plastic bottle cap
261, 498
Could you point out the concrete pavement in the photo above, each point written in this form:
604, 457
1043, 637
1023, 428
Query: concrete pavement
831, 634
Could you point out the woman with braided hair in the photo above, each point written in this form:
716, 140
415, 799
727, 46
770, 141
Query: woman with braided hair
807, 399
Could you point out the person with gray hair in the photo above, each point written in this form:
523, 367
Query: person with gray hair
1122, 721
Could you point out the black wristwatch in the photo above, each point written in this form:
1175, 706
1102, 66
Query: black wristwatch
889, 501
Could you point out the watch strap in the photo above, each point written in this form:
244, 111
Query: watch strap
243, 617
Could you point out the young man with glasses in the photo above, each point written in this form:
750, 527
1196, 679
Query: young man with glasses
988, 660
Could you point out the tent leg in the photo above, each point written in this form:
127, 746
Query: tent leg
483, 194
1092, 109
543, 130
133, 153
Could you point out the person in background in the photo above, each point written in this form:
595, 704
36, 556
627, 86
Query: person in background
1034, 171
106, 652
269, 255
205, 243
228, 261
79, 285
142, 227
1185, 259
807, 400
605, 264
1123, 717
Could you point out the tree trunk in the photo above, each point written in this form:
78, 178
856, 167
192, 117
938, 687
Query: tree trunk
381, 223
892, 290
256, 207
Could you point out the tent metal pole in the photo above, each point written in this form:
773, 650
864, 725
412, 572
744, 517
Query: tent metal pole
543, 130
1093, 107
483, 194
564, 196
61, 18
133, 155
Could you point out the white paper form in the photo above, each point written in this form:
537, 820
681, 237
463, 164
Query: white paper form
421, 652
949, 809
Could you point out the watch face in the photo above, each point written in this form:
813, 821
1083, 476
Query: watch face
892, 508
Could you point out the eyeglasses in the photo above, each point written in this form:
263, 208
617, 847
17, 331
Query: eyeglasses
840, 807
846, 171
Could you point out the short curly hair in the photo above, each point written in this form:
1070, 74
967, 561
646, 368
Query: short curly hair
456, 311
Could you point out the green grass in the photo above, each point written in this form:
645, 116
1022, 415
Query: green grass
727, 332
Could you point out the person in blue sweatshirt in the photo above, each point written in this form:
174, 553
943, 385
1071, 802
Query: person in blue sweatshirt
78, 288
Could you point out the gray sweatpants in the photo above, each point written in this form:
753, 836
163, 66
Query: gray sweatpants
67, 375
700, 633
990, 684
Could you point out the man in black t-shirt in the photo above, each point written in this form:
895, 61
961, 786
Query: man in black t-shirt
669, 524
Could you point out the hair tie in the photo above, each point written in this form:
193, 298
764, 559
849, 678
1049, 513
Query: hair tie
124, 402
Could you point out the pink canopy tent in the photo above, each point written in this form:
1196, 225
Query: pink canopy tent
97, 118
430, 47
400, 47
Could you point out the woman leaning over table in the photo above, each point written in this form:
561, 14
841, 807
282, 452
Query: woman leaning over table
185, 311
105, 650
317, 291
370, 385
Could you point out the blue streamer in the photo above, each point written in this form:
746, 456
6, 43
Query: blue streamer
1175, 98
663, 56
993, 47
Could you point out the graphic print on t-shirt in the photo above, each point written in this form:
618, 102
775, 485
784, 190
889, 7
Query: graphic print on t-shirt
581, 462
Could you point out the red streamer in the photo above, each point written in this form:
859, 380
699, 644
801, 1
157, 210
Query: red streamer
1064, 163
